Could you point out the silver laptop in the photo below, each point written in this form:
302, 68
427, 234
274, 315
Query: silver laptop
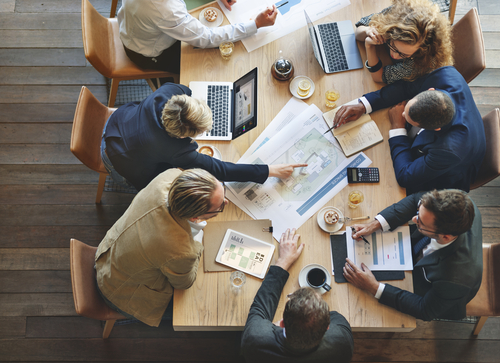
233, 105
334, 46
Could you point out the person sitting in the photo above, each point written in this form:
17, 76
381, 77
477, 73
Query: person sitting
151, 31
448, 255
143, 139
308, 332
155, 246
416, 35
437, 138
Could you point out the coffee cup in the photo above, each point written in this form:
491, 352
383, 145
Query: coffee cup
316, 278
207, 150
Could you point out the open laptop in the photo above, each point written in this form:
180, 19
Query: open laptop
334, 46
233, 105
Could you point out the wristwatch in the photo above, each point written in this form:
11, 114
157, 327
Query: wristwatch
375, 68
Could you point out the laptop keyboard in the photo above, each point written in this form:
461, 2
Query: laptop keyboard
332, 44
218, 101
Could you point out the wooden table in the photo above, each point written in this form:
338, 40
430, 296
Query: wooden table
208, 304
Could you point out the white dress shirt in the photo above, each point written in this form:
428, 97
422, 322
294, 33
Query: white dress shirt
149, 27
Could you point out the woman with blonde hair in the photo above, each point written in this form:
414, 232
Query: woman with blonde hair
416, 35
143, 139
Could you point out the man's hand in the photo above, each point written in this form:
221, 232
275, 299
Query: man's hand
228, 3
283, 171
267, 17
365, 229
396, 117
348, 113
362, 278
288, 249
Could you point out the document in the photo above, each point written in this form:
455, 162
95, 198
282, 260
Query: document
290, 16
386, 251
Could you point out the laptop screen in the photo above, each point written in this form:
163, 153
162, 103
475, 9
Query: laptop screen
245, 103
314, 40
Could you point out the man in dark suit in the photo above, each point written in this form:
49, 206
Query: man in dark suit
437, 136
447, 249
308, 332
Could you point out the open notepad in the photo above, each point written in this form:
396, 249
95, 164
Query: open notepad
354, 136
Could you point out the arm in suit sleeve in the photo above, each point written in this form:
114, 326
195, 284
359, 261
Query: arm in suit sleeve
181, 272
401, 212
394, 93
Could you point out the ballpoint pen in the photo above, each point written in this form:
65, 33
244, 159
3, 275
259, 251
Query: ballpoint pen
363, 238
280, 5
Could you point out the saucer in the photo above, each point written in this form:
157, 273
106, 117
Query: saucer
330, 228
303, 278
211, 24
217, 154
294, 85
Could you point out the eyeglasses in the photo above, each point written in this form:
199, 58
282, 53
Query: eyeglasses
221, 208
418, 220
395, 50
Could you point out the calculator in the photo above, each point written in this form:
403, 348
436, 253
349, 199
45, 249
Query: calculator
362, 175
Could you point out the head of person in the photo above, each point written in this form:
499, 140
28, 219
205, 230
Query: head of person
306, 319
196, 195
430, 110
184, 116
416, 29
444, 214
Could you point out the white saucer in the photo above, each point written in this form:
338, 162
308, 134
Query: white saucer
330, 228
217, 154
303, 278
211, 24
294, 85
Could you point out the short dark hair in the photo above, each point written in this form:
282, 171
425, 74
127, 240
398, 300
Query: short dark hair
452, 208
306, 318
432, 110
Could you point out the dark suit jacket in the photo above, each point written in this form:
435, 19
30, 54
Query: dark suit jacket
449, 158
445, 280
262, 341
140, 149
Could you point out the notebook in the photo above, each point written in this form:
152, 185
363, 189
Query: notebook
233, 105
334, 46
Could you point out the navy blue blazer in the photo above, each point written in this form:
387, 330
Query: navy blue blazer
140, 149
449, 158
445, 280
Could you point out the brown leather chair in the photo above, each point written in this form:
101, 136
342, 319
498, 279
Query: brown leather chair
88, 124
88, 301
468, 46
490, 167
487, 301
104, 50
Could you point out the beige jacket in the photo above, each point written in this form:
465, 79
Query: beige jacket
146, 254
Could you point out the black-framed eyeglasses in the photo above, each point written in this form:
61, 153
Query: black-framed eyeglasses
418, 220
221, 208
395, 50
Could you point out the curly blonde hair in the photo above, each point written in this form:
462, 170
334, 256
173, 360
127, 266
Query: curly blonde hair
418, 22
184, 116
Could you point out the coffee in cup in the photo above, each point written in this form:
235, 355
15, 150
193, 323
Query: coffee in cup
331, 216
316, 278
207, 150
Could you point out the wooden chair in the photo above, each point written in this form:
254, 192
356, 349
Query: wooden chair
114, 4
451, 11
88, 301
487, 300
468, 46
88, 124
104, 50
490, 167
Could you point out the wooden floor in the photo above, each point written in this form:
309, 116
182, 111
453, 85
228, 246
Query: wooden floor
47, 197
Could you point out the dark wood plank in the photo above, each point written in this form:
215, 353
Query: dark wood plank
490, 77
35, 281
50, 75
12, 327
491, 216
491, 235
36, 154
34, 259
40, 21
37, 304
59, 194
71, 57
50, 236
47, 174
486, 95
37, 112
48, 94
486, 109
41, 38
60, 215
31, 133
486, 196
59, 6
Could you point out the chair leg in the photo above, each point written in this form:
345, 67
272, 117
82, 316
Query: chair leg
451, 11
113, 91
151, 84
107, 328
479, 325
114, 3
100, 187
176, 78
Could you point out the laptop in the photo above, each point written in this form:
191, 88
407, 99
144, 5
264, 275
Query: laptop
233, 105
334, 46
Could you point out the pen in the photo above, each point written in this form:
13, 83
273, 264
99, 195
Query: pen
330, 129
363, 238
279, 6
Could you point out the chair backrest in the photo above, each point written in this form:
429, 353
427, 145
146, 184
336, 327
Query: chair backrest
468, 46
97, 39
490, 167
494, 273
88, 124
